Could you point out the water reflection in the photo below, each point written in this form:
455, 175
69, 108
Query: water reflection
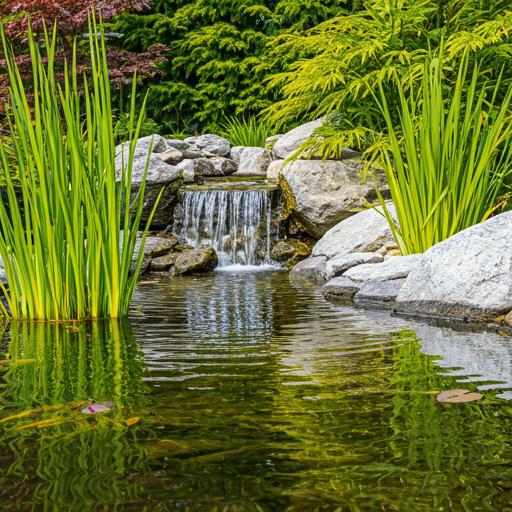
239, 393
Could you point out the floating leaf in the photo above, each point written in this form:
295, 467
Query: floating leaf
132, 421
99, 408
457, 396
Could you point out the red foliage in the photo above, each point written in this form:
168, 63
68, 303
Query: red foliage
71, 17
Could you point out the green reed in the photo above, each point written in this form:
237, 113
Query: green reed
449, 156
66, 257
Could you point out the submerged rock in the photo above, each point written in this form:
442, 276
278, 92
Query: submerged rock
202, 259
321, 194
254, 162
340, 287
394, 268
338, 265
467, 276
367, 231
310, 269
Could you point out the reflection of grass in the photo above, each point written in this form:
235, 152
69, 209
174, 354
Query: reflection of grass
52, 455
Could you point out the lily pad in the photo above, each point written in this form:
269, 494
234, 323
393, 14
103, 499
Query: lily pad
457, 396
98, 408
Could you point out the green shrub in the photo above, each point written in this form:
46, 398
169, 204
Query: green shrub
66, 258
449, 157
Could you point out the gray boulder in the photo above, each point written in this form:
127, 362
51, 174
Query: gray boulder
204, 167
213, 144
202, 259
320, 194
378, 292
236, 152
180, 145
171, 156
394, 268
467, 276
291, 141
273, 170
310, 269
159, 176
154, 247
340, 287
225, 166
338, 265
192, 152
164, 263
254, 162
508, 318
188, 168
142, 146
366, 231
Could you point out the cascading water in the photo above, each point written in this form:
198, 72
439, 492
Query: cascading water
235, 222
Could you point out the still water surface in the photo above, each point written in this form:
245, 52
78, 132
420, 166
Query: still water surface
238, 392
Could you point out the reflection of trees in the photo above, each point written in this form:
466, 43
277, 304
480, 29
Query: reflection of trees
68, 460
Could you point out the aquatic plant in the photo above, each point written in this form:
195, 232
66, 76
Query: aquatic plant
63, 251
246, 132
449, 156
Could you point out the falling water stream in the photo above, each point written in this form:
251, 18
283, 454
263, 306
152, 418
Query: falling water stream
236, 222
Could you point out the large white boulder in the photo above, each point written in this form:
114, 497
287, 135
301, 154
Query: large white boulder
289, 143
366, 231
141, 147
210, 143
321, 194
467, 276
394, 268
254, 162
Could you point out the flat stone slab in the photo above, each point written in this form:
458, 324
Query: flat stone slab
310, 269
467, 276
340, 287
379, 291
394, 268
336, 266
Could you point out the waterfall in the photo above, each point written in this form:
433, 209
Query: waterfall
235, 222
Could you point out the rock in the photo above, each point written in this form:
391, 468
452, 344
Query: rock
236, 152
254, 162
270, 141
154, 247
3, 277
382, 291
340, 287
291, 141
466, 276
273, 170
204, 167
181, 145
395, 268
202, 259
367, 231
336, 266
171, 156
310, 269
508, 318
191, 140
213, 144
225, 166
188, 168
192, 152
393, 253
322, 194
164, 263
141, 147
160, 175
289, 248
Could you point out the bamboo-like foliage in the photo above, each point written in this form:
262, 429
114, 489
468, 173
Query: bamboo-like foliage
450, 158
65, 256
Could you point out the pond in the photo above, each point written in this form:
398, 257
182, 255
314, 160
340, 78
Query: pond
236, 392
